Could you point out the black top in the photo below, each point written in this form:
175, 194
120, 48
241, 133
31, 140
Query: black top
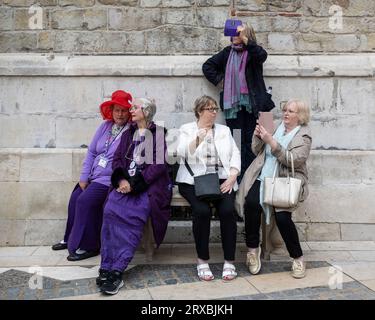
214, 71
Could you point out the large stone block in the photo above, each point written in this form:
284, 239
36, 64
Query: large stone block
22, 19
348, 8
133, 19
359, 232
181, 40
251, 5
18, 42
44, 232
179, 17
10, 164
282, 43
84, 42
284, 24
10, 198
323, 232
348, 42
150, 3
12, 232
34, 200
77, 3
212, 17
6, 19
314, 167
28, 3
78, 158
64, 95
75, 132
177, 3
46, 165
77, 19
350, 203
37, 131
337, 132
119, 2
259, 23
347, 167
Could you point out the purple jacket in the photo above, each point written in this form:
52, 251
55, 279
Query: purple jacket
156, 175
91, 172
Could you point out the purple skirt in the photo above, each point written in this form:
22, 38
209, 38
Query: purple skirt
124, 218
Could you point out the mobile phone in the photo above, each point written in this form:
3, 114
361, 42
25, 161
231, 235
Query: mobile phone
266, 120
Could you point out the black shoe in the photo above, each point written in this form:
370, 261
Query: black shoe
103, 276
60, 246
113, 283
82, 256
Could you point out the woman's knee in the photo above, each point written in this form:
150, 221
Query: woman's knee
252, 206
283, 218
202, 213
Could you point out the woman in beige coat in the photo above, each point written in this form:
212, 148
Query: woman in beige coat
293, 135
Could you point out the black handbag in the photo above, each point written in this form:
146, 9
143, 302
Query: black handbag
207, 186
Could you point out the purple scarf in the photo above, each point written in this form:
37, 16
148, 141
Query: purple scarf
235, 79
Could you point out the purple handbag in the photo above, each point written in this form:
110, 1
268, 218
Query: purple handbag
230, 28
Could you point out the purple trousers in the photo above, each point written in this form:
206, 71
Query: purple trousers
124, 218
85, 216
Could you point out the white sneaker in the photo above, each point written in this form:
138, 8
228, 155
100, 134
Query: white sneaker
298, 269
253, 261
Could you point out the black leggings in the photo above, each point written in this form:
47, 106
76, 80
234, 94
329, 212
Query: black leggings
284, 222
202, 221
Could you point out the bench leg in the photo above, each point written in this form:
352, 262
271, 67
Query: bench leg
148, 241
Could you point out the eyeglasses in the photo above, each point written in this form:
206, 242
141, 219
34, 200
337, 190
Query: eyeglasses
134, 107
288, 111
211, 109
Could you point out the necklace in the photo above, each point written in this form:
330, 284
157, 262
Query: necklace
116, 130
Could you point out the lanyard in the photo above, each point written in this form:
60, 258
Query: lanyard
109, 142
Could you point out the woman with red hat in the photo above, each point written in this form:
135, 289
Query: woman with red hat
85, 210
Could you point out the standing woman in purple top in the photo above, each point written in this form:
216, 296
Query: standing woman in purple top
142, 190
85, 210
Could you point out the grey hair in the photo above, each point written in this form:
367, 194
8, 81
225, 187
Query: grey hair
148, 108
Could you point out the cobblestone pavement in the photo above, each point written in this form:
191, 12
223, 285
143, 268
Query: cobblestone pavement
325, 280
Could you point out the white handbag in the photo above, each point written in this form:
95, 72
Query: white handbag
282, 192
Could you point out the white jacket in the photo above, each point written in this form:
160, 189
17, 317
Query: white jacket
226, 149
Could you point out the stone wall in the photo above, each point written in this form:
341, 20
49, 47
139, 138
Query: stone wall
161, 27
49, 110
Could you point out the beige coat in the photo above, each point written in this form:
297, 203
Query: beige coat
300, 148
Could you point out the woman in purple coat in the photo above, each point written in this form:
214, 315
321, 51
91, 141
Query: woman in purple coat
142, 190
85, 210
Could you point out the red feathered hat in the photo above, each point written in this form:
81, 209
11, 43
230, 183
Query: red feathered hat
119, 97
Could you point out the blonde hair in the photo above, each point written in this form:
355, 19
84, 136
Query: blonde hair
249, 32
202, 102
303, 111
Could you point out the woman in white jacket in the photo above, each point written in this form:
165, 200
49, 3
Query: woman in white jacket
208, 147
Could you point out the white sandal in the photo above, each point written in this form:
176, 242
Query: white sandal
204, 272
229, 272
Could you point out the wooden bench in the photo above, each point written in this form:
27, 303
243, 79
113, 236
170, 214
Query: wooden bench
148, 242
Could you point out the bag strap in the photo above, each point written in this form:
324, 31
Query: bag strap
188, 168
287, 165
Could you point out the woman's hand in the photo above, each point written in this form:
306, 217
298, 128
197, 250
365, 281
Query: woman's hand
202, 134
227, 185
242, 36
124, 187
257, 131
83, 185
